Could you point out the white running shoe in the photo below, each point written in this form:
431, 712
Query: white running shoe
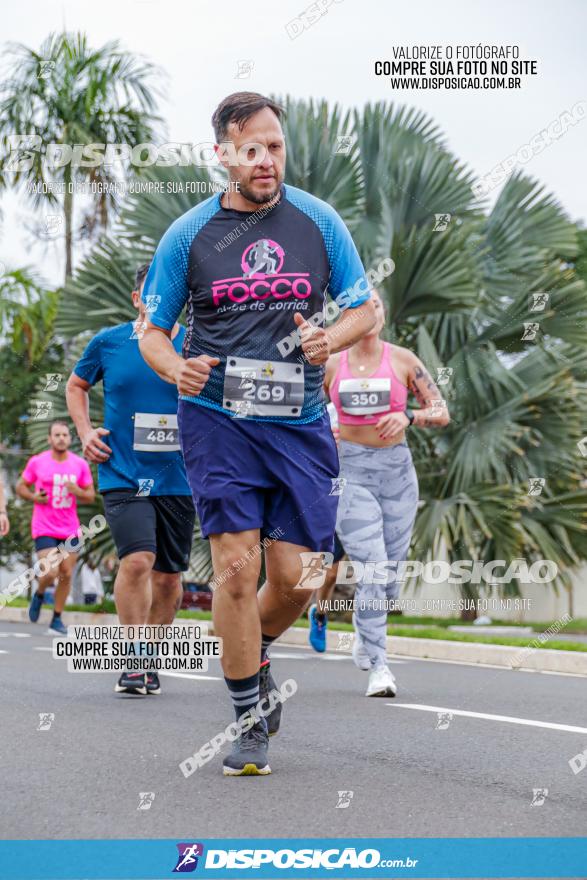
358, 652
381, 683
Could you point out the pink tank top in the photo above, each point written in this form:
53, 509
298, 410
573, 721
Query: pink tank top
362, 400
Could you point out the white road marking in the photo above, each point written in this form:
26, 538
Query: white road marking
39, 648
15, 635
191, 675
568, 728
4, 652
552, 672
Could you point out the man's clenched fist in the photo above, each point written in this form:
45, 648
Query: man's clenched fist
315, 341
192, 374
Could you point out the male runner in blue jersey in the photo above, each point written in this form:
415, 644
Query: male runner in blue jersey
147, 500
253, 267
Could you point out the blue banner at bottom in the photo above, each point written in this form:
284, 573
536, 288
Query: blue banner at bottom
305, 858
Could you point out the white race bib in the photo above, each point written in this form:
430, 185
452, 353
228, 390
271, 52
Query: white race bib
364, 397
263, 388
156, 432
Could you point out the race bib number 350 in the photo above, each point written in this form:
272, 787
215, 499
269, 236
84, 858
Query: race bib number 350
156, 432
263, 388
365, 397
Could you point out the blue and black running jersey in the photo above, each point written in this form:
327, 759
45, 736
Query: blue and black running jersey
242, 277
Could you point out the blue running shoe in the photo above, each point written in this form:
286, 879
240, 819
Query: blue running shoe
35, 607
57, 627
317, 630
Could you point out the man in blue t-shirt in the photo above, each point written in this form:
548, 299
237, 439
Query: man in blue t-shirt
141, 474
252, 266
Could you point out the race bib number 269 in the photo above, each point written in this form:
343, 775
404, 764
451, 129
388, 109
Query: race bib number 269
263, 388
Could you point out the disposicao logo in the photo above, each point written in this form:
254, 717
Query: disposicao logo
187, 859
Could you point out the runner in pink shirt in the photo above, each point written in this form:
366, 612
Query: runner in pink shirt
54, 481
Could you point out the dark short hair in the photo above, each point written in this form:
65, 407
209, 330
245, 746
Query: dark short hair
141, 274
58, 422
239, 107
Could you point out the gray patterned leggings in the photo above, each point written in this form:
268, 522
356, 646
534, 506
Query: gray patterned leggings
376, 514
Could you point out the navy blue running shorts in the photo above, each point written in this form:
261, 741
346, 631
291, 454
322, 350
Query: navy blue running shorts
43, 542
247, 474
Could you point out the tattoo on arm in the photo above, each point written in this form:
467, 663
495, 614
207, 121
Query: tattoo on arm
423, 386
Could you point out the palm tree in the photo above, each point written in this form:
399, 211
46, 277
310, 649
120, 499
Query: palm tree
518, 403
460, 296
67, 93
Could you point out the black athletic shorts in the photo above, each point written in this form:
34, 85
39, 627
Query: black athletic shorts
162, 524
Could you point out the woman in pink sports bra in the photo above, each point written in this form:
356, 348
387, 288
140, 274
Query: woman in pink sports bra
368, 385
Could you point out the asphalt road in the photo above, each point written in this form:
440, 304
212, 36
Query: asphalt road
83, 777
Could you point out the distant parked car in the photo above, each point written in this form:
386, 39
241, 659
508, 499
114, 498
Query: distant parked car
196, 596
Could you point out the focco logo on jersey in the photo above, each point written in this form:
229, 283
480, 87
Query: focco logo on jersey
262, 278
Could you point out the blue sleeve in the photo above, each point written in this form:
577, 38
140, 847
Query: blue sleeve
166, 290
89, 367
348, 283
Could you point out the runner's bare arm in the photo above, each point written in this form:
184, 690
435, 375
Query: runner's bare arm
352, 325
27, 491
78, 406
85, 494
434, 410
189, 375
319, 343
158, 351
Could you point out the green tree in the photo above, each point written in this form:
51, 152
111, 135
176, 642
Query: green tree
27, 313
461, 298
29, 352
30, 358
68, 93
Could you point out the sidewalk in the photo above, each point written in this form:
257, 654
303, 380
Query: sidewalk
542, 660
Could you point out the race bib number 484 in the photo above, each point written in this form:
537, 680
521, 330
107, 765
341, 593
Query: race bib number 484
156, 432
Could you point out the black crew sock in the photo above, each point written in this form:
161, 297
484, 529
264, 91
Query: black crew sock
266, 641
56, 616
320, 616
244, 693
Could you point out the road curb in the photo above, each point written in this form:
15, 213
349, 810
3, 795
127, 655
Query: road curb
506, 656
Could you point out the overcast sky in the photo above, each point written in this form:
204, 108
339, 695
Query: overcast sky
199, 44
